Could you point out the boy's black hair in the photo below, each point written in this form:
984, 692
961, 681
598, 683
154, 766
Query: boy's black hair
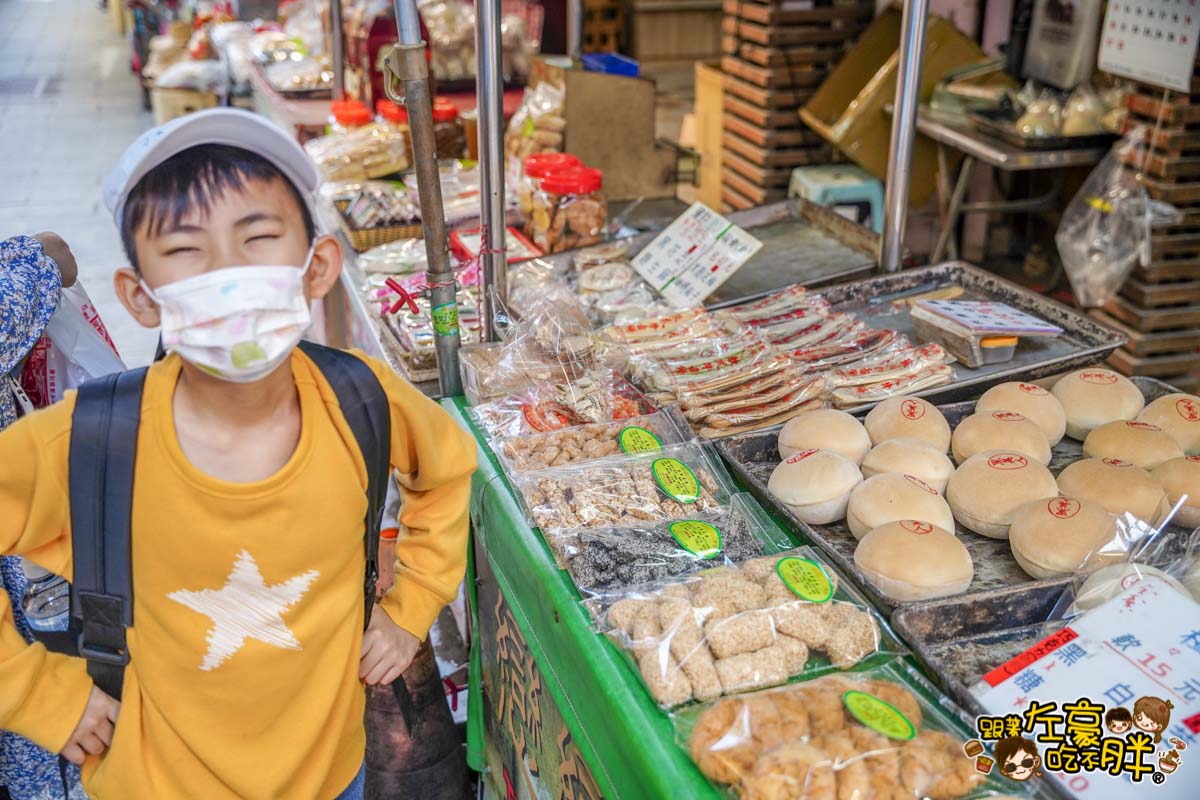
196, 177
1118, 714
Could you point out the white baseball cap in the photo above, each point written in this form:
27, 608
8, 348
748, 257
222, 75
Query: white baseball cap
228, 126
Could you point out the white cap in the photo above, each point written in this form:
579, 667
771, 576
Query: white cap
228, 126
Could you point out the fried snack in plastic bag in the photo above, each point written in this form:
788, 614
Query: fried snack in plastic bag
740, 628
603, 560
539, 451
537, 410
857, 736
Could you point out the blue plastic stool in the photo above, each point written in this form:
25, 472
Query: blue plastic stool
841, 186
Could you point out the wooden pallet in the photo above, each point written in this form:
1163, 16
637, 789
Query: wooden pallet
819, 57
1150, 320
1172, 191
1169, 140
732, 201
1169, 269
766, 12
767, 99
759, 116
774, 157
789, 35
1168, 166
745, 187
766, 177
1152, 366
1151, 344
799, 76
799, 135
1148, 102
1160, 295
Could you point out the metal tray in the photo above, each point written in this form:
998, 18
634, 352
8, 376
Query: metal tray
754, 456
1082, 343
802, 243
1004, 130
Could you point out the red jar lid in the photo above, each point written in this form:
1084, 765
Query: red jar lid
539, 164
573, 180
391, 111
353, 114
444, 110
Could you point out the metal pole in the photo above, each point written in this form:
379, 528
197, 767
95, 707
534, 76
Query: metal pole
337, 47
489, 82
574, 28
407, 63
904, 131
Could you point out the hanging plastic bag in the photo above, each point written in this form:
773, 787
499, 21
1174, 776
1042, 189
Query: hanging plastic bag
75, 348
1106, 226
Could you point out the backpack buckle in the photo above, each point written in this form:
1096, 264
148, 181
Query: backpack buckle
103, 655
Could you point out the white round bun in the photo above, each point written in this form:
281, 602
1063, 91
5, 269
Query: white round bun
1178, 415
1055, 537
999, 430
815, 485
1094, 396
1178, 477
825, 429
892, 497
1115, 485
1107, 582
1036, 404
914, 457
913, 560
908, 418
986, 491
1140, 443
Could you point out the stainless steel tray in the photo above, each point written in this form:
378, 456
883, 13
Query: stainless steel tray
1082, 343
1008, 132
753, 456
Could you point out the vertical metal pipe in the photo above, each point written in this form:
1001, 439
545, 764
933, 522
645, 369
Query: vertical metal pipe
574, 28
337, 49
439, 275
489, 83
904, 132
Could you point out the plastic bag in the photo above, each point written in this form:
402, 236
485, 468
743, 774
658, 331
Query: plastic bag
74, 349
1106, 226
536, 127
607, 559
537, 409
305, 75
370, 151
1083, 112
677, 482
203, 76
401, 257
736, 629
865, 735
1042, 117
451, 26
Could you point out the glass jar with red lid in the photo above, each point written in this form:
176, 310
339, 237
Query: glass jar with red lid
347, 115
448, 134
536, 167
569, 209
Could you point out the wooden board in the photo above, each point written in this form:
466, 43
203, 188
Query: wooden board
1170, 140
1152, 366
748, 189
776, 13
762, 117
822, 57
773, 138
1173, 111
782, 36
805, 76
767, 177
1163, 165
732, 201
1172, 269
1150, 344
775, 99
768, 157
1157, 295
1158, 319
1172, 191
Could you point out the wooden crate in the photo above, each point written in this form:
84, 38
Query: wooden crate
169, 104
797, 76
776, 157
1164, 294
1152, 344
604, 26
747, 188
787, 100
775, 14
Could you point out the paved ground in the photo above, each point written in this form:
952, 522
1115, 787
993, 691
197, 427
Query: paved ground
70, 106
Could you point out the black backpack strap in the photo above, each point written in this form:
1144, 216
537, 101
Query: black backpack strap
365, 407
104, 432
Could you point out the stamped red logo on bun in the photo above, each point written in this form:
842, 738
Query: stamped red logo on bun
920, 484
913, 526
1007, 416
1098, 377
911, 409
1031, 388
803, 454
1116, 462
1193, 458
1143, 426
1063, 507
1186, 408
1008, 461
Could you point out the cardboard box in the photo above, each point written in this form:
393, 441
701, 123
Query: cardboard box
709, 115
848, 108
169, 104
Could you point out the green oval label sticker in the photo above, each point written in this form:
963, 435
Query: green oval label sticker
676, 479
807, 579
445, 319
878, 715
698, 538
638, 440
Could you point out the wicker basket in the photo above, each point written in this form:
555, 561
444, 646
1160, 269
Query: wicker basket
366, 238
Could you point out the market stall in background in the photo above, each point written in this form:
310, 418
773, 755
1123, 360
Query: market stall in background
837, 431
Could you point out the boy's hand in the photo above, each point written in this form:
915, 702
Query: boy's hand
387, 567
387, 650
94, 733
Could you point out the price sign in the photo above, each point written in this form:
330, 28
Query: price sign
694, 255
1153, 41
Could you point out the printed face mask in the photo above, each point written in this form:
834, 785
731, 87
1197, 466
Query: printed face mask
236, 323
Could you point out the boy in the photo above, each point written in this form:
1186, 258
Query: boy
247, 650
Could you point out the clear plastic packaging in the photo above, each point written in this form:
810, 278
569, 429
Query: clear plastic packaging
735, 629
537, 409
402, 257
600, 254
593, 441
604, 560
371, 150
305, 75
678, 482
888, 364
904, 384
448, 136
451, 26
369, 204
533, 169
536, 127
859, 736
568, 210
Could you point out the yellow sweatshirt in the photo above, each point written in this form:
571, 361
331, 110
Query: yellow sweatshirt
244, 652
